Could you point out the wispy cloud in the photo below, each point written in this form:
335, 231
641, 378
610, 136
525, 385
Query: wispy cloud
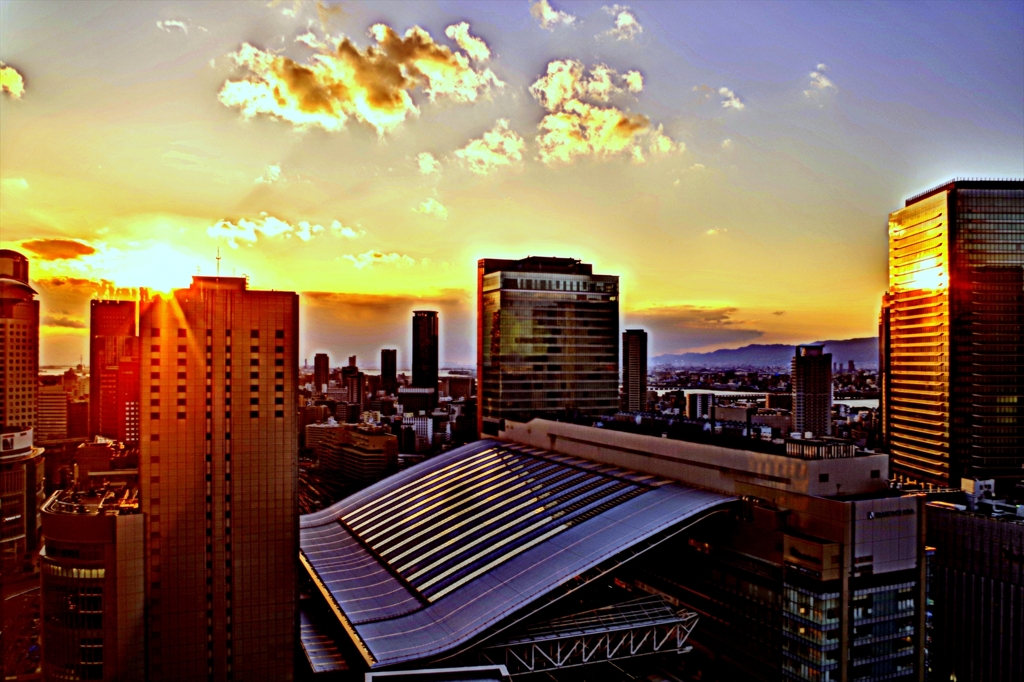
473, 46
819, 82
626, 25
371, 258
14, 183
11, 81
729, 99
727, 143
432, 207
65, 321
579, 123
268, 226
270, 175
498, 147
171, 25
342, 81
676, 328
58, 249
548, 17
717, 230
428, 163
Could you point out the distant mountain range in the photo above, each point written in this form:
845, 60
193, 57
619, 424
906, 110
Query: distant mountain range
863, 352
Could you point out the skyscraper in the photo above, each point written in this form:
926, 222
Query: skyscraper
19, 343
811, 378
218, 476
389, 370
634, 370
954, 401
547, 339
321, 371
113, 371
424, 349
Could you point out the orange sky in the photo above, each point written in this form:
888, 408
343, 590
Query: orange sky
737, 179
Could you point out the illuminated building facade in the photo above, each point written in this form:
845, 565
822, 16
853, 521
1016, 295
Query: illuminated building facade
547, 339
114, 371
634, 370
811, 379
19, 343
954, 387
218, 475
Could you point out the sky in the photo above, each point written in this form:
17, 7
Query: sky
733, 163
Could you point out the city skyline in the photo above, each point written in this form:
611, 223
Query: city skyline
767, 171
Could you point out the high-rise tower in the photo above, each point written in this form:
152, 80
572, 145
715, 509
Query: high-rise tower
424, 349
218, 475
113, 371
634, 370
19, 343
547, 339
321, 372
389, 370
954, 391
811, 379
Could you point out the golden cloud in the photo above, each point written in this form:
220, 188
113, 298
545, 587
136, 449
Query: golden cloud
428, 163
498, 147
58, 249
374, 85
65, 321
371, 258
432, 207
474, 47
11, 81
549, 17
269, 226
626, 25
575, 126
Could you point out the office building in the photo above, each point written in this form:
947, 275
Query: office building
634, 370
22, 478
700, 406
19, 343
811, 380
977, 585
321, 372
218, 477
547, 339
953, 406
357, 453
114, 370
51, 413
389, 371
424, 349
93, 585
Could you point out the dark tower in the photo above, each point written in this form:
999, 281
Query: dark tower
424, 349
321, 371
389, 370
634, 370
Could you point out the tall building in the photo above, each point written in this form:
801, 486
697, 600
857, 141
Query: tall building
22, 478
52, 413
389, 370
700, 406
954, 384
424, 349
547, 339
113, 370
321, 371
19, 343
634, 370
92, 584
811, 378
218, 476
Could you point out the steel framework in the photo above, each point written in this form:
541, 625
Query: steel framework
636, 628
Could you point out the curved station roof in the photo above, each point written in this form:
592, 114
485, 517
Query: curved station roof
422, 563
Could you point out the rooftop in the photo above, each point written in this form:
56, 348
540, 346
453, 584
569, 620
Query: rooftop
109, 500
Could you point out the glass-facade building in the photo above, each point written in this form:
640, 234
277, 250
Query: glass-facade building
954, 375
547, 339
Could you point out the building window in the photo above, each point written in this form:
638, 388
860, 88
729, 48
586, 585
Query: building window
255, 334
279, 334
822, 478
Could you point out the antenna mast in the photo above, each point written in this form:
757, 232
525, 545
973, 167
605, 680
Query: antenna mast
218, 262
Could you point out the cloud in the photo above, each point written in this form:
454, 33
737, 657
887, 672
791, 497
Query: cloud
778, 312
498, 147
819, 82
14, 183
63, 321
677, 328
705, 91
271, 175
548, 17
729, 99
11, 81
58, 249
727, 143
374, 86
171, 25
432, 207
473, 46
626, 25
717, 230
371, 258
576, 126
268, 226
428, 163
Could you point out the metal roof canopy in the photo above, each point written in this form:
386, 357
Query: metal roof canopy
425, 562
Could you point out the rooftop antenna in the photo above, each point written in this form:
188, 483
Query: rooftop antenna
218, 262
